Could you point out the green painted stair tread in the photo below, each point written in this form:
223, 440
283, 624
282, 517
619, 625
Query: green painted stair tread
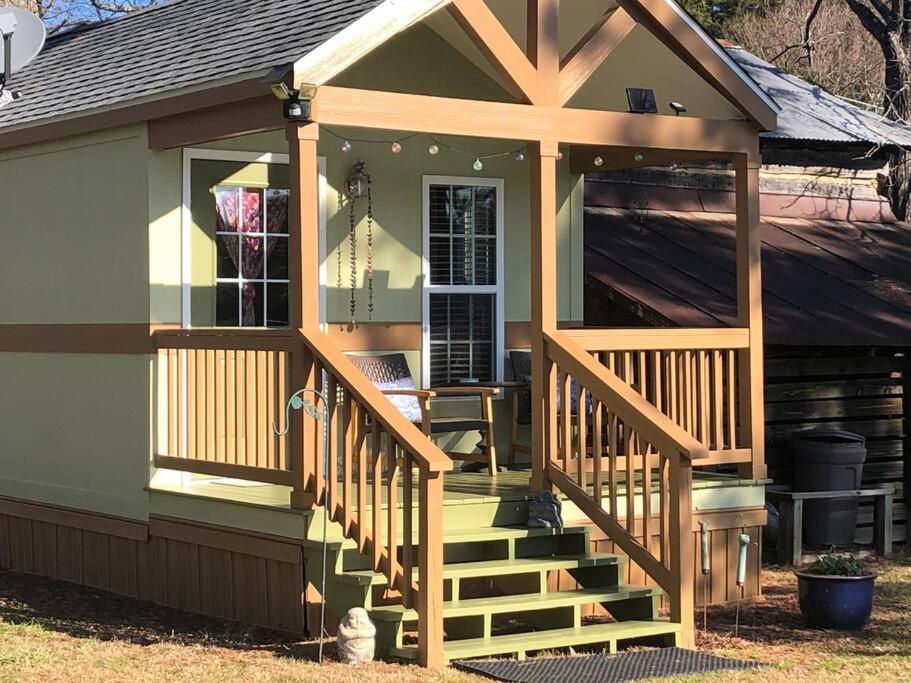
515, 643
479, 535
524, 602
525, 565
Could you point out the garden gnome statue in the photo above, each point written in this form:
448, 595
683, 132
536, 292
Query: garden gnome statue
356, 637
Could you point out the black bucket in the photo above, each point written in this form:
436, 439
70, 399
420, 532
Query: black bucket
828, 460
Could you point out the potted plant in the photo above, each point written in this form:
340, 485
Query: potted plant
836, 592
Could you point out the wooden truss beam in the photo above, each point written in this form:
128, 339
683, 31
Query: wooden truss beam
590, 52
543, 40
472, 118
498, 47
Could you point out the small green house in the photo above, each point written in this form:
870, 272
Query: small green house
212, 205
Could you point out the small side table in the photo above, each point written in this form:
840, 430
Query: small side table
790, 511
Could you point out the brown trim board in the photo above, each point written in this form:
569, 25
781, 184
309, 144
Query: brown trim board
76, 519
115, 338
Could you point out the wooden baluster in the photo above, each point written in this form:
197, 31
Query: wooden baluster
613, 437
689, 383
332, 465
662, 508
269, 380
263, 431
706, 389
718, 401
349, 444
407, 529
218, 425
646, 496
208, 379
658, 379
392, 483
250, 407
732, 398
567, 423
377, 503
630, 442
200, 381
182, 403
240, 409
582, 436
596, 449
230, 407
170, 357
643, 379
361, 479
283, 371
192, 447
673, 391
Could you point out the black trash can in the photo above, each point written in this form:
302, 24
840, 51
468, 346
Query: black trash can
828, 460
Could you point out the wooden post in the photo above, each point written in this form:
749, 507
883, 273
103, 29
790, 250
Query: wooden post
682, 548
749, 313
430, 570
543, 158
303, 248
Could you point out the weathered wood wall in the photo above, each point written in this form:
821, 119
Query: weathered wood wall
210, 570
860, 390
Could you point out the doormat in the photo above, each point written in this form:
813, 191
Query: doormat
630, 666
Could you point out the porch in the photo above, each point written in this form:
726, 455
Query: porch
607, 407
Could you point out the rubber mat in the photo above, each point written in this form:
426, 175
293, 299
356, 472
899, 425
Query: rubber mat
630, 666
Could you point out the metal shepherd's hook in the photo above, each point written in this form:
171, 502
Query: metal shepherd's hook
298, 402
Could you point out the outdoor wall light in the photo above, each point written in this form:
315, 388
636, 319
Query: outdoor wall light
678, 108
295, 107
641, 101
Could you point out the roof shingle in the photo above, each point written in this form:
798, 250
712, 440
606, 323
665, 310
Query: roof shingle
170, 47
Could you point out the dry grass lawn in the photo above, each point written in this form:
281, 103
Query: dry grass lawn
52, 631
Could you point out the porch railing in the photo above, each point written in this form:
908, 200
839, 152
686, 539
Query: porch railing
691, 375
223, 392
625, 464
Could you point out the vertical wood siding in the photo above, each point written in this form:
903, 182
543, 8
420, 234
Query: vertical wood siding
247, 579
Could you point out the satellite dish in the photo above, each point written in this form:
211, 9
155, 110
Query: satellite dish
22, 34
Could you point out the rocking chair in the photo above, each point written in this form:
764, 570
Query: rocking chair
391, 375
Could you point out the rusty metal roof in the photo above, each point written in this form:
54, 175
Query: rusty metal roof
826, 283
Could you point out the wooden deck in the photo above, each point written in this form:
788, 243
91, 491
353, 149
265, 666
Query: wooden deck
459, 488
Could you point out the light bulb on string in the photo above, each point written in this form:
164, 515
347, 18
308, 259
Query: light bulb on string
599, 162
638, 156
520, 155
346, 146
434, 149
559, 156
478, 165
396, 147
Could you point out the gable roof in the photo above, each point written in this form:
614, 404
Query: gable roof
169, 48
809, 113
825, 283
189, 45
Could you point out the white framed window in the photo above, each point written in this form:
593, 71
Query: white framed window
252, 270
463, 302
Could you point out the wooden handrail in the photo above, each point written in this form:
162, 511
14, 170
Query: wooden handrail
224, 339
651, 424
660, 339
427, 455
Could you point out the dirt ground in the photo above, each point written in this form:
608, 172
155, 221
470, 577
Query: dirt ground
53, 631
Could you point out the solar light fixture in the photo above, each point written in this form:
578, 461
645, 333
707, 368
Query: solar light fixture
678, 108
641, 101
296, 108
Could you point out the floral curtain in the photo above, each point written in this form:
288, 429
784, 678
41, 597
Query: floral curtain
240, 211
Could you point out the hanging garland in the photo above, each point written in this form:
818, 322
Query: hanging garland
358, 185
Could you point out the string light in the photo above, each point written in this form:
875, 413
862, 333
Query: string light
396, 147
559, 156
638, 156
520, 156
346, 146
599, 162
478, 165
434, 149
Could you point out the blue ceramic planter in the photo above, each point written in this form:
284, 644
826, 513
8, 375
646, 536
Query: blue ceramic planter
843, 603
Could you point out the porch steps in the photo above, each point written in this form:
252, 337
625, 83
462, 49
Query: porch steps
520, 644
497, 600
